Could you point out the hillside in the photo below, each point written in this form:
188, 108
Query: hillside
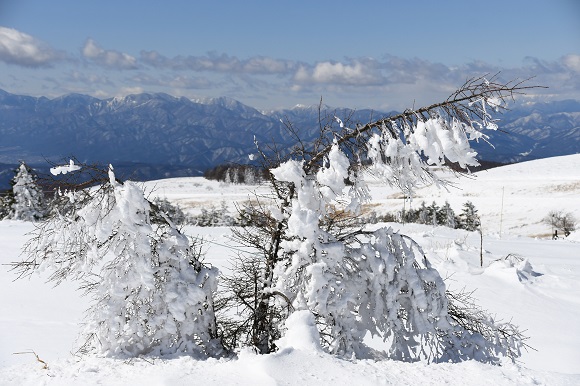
527, 277
528, 190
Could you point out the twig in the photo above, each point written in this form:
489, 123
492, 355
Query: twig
44, 364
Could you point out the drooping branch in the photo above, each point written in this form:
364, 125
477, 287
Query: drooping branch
467, 104
311, 254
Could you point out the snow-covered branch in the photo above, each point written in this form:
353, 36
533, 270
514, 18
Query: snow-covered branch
354, 281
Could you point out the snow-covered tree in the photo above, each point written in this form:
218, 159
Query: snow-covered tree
423, 214
468, 218
150, 294
27, 196
356, 281
228, 178
434, 216
214, 217
235, 175
447, 216
6, 201
249, 176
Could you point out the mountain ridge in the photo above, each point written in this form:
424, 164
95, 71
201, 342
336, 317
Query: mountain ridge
170, 136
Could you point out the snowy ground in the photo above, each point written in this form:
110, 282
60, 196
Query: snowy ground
542, 297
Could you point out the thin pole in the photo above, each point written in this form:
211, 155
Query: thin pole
501, 211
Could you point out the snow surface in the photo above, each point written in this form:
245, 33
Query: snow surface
527, 277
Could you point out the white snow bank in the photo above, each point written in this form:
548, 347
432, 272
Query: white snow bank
285, 368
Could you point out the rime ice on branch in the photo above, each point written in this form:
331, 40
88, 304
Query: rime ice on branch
150, 294
356, 281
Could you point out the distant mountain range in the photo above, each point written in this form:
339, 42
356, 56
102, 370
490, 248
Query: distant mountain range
151, 136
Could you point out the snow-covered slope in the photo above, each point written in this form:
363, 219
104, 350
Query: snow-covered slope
512, 199
526, 276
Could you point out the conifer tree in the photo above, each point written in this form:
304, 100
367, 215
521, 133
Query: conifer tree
447, 216
249, 175
423, 214
434, 217
28, 199
468, 218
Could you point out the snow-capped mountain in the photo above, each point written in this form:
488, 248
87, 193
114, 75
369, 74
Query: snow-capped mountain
535, 131
149, 136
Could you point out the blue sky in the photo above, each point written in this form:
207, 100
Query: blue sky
270, 54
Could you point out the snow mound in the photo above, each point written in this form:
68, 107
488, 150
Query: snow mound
301, 333
522, 267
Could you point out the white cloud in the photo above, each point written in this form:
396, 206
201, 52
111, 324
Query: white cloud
186, 82
220, 63
388, 80
24, 50
572, 62
355, 73
173, 81
88, 78
124, 91
108, 58
264, 65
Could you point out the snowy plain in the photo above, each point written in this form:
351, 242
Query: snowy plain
526, 277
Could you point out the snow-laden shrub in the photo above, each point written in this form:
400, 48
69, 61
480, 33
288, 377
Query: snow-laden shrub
311, 255
378, 282
150, 294
213, 217
172, 211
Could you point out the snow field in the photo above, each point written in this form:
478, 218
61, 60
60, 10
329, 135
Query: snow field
526, 277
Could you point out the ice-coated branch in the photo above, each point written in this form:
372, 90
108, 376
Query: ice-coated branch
150, 293
352, 280
467, 105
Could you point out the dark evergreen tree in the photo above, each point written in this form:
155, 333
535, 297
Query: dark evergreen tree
468, 218
6, 201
